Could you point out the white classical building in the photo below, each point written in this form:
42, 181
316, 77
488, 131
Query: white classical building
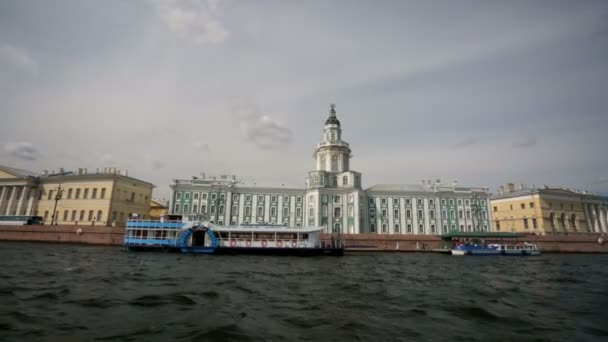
334, 198
18, 192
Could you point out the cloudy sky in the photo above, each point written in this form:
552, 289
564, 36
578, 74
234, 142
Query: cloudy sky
485, 92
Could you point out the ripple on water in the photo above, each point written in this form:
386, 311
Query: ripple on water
139, 297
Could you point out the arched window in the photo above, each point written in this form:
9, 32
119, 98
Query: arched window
574, 222
334, 162
337, 228
563, 221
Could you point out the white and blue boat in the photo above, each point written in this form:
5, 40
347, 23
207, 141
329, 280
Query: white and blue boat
476, 249
525, 249
196, 237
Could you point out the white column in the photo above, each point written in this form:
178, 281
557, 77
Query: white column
241, 213
254, 208
266, 208
588, 217
594, 219
3, 195
171, 202
11, 198
602, 220
30, 204
24, 192
228, 213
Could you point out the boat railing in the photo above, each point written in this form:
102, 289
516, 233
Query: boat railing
155, 224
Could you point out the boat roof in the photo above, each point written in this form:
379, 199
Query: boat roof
458, 234
266, 229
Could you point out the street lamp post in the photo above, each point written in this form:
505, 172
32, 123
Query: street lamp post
57, 198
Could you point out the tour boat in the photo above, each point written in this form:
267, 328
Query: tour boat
525, 249
195, 237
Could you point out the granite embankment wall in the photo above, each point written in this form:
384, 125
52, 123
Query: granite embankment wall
69, 234
572, 243
557, 243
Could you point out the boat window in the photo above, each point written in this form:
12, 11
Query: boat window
264, 236
246, 236
286, 236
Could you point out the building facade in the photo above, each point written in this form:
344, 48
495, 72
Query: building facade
548, 210
333, 197
106, 197
18, 191
429, 208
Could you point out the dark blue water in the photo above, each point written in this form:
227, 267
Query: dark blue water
54, 292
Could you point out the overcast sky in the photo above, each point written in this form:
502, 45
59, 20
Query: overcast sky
485, 92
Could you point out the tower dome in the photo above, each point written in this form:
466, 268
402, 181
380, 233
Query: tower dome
332, 119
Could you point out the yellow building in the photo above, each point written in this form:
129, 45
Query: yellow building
157, 209
105, 197
548, 210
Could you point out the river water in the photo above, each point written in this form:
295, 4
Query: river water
54, 292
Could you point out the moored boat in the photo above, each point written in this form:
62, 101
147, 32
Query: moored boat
475, 249
525, 249
195, 237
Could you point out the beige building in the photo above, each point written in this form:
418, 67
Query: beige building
548, 210
105, 197
157, 209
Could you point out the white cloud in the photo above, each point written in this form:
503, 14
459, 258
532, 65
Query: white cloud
18, 57
262, 130
23, 150
198, 21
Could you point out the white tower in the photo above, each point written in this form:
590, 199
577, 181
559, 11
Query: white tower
333, 190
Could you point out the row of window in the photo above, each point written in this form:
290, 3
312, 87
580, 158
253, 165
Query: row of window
221, 210
521, 205
531, 206
75, 193
431, 202
337, 211
76, 216
444, 214
408, 229
335, 199
526, 224
332, 181
235, 197
84, 216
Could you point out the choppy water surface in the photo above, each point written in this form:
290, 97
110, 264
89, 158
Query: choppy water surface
67, 292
